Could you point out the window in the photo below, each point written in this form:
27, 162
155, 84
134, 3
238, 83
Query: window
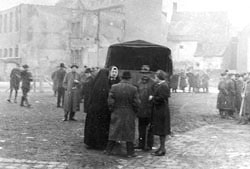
11, 21
5, 23
10, 52
1, 23
76, 29
17, 20
16, 51
5, 53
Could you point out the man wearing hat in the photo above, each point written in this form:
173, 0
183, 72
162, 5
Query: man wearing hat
15, 78
26, 78
71, 84
123, 102
145, 86
86, 88
59, 76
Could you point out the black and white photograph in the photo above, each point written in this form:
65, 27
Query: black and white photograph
124, 84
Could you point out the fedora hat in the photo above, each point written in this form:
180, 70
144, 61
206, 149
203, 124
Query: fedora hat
74, 65
145, 69
88, 70
126, 75
25, 66
62, 65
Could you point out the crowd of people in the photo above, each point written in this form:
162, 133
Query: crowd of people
193, 80
111, 103
234, 96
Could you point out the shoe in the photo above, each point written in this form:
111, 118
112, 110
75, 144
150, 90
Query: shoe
15, 101
58, 106
155, 151
160, 153
72, 119
131, 155
147, 149
65, 119
138, 147
9, 100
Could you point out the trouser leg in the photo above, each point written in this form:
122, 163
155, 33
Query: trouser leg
142, 132
10, 95
110, 146
162, 142
16, 93
71, 115
66, 115
59, 97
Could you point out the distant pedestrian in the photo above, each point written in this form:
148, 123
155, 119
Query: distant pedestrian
183, 82
191, 81
54, 83
59, 77
15, 78
71, 99
123, 102
26, 78
161, 113
205, 82
174, 82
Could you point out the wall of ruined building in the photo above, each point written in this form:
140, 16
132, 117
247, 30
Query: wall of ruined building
9, 40
44, 37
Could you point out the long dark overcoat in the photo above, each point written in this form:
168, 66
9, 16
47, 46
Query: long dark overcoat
145, 90
123, 100
15, 78
26, 78
226, 96
86, 91
239, 89
71, 98
174, 81
161, 114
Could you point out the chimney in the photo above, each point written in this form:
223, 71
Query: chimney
174, 7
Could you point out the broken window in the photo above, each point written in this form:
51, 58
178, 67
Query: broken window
5, 23
1, 23
11, 21
10, 52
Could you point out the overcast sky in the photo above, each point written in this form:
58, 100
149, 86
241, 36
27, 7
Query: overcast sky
239, 10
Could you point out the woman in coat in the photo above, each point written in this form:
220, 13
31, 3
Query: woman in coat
98, 116
161, 114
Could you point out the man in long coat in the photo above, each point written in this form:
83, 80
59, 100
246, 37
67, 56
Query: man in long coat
15, 78
26, 78
71, 99
59, 76
145, 88
123, 101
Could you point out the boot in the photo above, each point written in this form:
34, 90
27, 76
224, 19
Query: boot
109, 147
65, 116
22, 100
27, 102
